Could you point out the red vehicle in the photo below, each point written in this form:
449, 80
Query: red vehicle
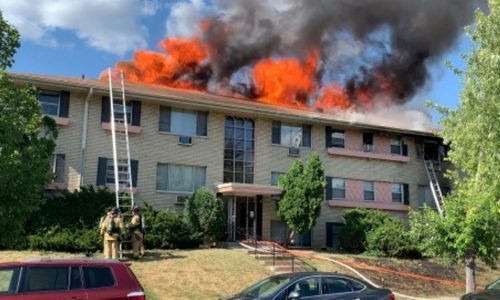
75, 279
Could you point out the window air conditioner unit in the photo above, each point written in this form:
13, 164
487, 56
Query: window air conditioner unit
368, 148
181, 199
293, 152
185, 140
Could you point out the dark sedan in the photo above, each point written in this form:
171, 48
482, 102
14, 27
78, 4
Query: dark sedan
491, 292
313, 286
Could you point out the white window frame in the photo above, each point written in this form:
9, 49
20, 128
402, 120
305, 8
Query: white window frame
337, 134
294, 140
118, 108
51, 93
343, 188
368, 190
401, 192
396, 141
110, 171
193, 184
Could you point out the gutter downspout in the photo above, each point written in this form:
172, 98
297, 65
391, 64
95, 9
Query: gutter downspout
84, 134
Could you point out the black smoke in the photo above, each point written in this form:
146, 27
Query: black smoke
396, 40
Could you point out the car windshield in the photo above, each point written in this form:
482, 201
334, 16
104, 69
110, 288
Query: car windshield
494, 286
266, 287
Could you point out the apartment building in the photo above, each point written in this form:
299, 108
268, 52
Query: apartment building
181, 140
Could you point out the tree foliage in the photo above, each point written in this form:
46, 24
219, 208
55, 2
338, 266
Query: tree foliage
26, 147
303, 189
471, 224
205, 213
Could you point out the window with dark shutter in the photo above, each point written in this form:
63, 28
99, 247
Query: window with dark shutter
276, 133
102, 166
134, 164
164, 124
201, 123
338, 138
64, 104
328, 188
136, 113
105, 110
328, 136
306, 136
367, 141
406, 194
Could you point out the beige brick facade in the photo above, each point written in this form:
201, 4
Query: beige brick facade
151, 147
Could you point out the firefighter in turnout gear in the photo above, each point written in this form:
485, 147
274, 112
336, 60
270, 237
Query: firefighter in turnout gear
137, 235
111, 229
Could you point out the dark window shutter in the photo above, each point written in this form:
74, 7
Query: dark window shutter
165, 112
102, 165
406, 192
276, 133
136, 113
328, 136
134, 164
201, 123
105, 110
329, 188
306, 136
405, 149
64, 104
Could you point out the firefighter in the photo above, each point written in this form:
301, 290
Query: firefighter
137, 235
111, 229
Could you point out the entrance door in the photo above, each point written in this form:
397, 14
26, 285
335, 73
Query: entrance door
246, 215
333, 235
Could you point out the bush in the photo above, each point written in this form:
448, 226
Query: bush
392, 240
167, 229
376, 233
204, 212
358, 222
67, 240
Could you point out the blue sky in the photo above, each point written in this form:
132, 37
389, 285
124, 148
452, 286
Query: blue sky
71, 38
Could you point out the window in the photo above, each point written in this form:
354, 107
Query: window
9, 278
239, 145
106, 172
291, 135
306, 287
396, 147
367, 141
338, 188
98, 277
369, 190
58, 166
401, 193
183, 121
425, 196
76, 279
119, 111
179, 178
338, 138
50, 102
46, 279
275, 177
335, 285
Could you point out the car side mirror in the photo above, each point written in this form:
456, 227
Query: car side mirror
293, 296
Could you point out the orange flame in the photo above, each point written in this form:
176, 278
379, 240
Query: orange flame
285, 81
182, 57
333, 97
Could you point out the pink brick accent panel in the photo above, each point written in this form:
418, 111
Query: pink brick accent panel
369, 155
355, 197
131, 128
381, 144
353, 140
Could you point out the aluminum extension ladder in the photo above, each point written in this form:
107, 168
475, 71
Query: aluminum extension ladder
434, 185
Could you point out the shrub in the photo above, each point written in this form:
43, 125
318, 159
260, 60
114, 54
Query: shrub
358, 222
65, 239
166, 229
204, 212
392, 240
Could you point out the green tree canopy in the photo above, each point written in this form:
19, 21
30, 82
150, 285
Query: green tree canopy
26, 147
303, 190
470, 227
205, 213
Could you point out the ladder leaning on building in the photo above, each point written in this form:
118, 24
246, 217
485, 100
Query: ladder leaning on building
434, 185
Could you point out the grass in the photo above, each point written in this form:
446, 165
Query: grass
183, 274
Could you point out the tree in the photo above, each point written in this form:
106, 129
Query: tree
470, 227
26, 147
205, 213
303, 189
